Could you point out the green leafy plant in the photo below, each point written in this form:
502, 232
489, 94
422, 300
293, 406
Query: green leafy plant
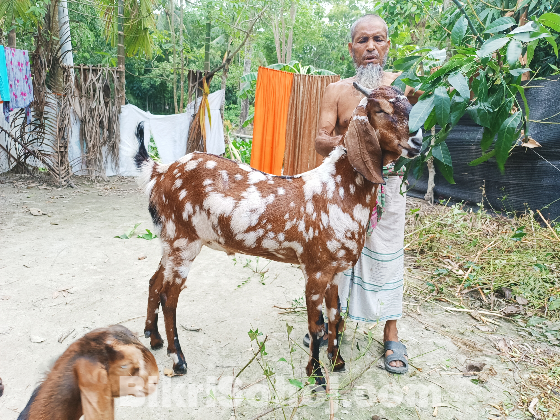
129, 234
482, 78
243, 149
148, 235
153, 150
519, 234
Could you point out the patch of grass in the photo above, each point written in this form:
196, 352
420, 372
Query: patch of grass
148, 235
129, 234
459, 249
153, 150
254, 267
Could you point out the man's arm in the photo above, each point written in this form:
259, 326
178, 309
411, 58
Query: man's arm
325, 142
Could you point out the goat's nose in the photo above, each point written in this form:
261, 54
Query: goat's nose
414, 145
416, 140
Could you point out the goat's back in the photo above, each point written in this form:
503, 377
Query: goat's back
235, 208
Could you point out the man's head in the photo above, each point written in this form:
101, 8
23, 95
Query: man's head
368, 47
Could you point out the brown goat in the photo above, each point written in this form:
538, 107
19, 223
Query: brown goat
87, 377
317, 220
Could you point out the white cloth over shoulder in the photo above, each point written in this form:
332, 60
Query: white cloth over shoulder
374, 292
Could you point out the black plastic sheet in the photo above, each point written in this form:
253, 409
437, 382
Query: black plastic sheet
529, 181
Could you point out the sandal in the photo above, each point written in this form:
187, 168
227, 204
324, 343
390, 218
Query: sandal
399, 353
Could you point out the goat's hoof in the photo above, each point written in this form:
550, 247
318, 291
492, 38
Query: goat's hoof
157, 346
339, 367
320, 385
180, 369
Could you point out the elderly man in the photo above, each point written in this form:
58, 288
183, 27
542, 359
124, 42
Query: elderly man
372, 290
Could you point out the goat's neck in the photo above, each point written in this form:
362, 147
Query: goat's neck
59, 396
353, 183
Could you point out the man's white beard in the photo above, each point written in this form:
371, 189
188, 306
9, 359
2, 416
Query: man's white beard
369, 76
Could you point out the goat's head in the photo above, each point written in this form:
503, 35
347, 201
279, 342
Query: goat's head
128, 357
378, 133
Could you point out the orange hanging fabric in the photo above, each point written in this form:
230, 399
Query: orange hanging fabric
272, 99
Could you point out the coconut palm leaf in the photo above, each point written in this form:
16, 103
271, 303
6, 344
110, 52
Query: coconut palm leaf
138, 22
13, 9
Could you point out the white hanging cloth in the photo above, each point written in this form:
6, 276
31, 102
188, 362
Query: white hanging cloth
170, 133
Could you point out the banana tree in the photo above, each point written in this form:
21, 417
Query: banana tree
482, 79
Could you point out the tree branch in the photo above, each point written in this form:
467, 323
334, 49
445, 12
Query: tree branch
473, 29
230, 57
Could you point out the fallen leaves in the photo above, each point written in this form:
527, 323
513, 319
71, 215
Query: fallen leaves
521, 300
511, 310
63, 292
532, 406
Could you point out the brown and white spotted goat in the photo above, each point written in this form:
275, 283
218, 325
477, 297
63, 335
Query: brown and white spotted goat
87, 377
317, 219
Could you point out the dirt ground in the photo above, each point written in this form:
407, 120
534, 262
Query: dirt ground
63, 273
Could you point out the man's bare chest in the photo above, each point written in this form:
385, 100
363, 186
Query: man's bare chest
346, 105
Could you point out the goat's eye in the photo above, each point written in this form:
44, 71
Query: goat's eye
124, 366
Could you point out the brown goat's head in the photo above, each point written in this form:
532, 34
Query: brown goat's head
378, 133
129, 357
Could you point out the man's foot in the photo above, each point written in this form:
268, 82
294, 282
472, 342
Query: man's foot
399, 362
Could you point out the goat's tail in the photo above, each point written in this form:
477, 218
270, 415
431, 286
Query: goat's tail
142, 160
142, 155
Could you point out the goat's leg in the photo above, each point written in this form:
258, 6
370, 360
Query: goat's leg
151, 328
169, 300
175, 275
315, 321
335, 324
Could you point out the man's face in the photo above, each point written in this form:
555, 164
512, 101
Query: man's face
370, 43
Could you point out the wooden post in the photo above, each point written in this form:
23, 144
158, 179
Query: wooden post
120, 50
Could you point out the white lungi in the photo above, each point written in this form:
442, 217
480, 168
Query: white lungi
374, 292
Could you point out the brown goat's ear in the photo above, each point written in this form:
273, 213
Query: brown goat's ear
95, 390
362, 145
377, 105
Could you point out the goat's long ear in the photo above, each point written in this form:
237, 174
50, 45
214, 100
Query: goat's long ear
95, 390
364, 151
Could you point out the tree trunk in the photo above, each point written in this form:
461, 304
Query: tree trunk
429, 196
291, 32
120, 50
207, 41
245, 102
12, 38
283, 35
172, 30
182, 56
64, 33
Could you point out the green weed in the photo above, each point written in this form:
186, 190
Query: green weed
129, 234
